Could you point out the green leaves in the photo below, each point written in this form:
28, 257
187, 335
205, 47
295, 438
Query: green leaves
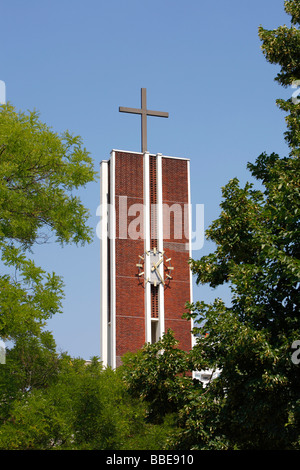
154, 375
292, 7
258, 253
72, 406
282, 46
39, 171
29, 297
38, 168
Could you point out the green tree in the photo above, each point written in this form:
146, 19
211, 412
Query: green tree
157, 376
85, 407
254, 403
257, 252
40, 172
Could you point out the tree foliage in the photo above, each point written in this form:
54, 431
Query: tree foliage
39, 171
156, 374
84, 407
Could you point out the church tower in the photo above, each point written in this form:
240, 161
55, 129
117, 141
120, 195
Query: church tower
145, 242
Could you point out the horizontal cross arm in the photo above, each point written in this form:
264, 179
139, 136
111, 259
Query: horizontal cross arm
157, 113
140, 111
130, 110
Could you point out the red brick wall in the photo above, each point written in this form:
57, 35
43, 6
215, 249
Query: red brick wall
130, 298
177, 293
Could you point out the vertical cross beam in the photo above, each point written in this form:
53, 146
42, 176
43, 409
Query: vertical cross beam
144, 112
144, 119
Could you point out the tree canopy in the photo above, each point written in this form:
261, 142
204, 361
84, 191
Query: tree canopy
39, 172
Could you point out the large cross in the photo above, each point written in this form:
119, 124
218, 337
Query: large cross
144, 113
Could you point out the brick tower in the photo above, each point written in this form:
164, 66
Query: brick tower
145, 239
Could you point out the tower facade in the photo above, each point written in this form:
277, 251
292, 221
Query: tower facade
145, 236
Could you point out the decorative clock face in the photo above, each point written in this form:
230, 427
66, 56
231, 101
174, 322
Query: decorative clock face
157, 275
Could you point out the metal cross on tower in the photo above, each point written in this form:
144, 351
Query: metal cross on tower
144, 113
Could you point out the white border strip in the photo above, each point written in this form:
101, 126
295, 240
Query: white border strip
160, 242
112, 234
103, 262
2, 92
190, 243
147, 247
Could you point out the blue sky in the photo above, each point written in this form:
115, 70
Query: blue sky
76, 62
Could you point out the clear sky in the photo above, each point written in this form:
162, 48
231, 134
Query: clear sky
77, 61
